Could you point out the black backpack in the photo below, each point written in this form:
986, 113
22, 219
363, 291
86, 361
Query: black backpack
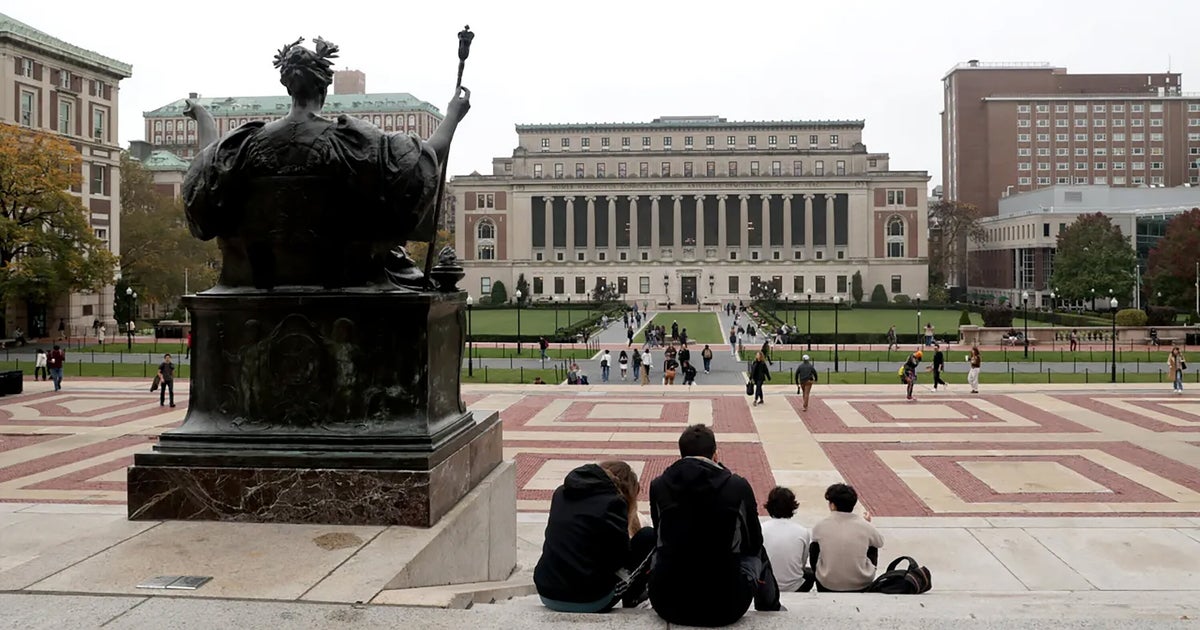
911, 581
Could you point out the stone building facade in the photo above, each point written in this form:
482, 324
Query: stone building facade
56, 87
692, 210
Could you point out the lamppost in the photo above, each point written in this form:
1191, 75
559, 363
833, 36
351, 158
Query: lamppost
1113, 305
1025, 308
667, 289
1053, 312
568, 311
712, 286
470, 340
554, 299
518, 294
808, 333
837, 300
132, 295
919, 338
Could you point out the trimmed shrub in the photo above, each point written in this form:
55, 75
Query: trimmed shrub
965, 318
878, 295
998, 317
499, 293
1131, 317
856, 288
1160, 316
901, 298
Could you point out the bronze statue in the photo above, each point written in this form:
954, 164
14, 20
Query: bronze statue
308, 201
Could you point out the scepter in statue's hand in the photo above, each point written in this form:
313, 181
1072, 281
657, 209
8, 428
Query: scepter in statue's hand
459, 106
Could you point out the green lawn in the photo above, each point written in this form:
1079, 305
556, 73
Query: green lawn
959, 379
878, 321
701, 327
534, 321
81, 368
166, 345
957, 353
518, 375
529, 350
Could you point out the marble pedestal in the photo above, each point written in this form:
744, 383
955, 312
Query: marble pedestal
336, 407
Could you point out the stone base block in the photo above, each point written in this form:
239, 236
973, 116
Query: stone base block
343, 496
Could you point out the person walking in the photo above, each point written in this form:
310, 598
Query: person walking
806, 375
759, 373
670, 366
55, 361
647, 361
544, 345
707, 354
891, 338
629, 336
766, 351
39, 365
604, 365
974, 361
1176, 364
733, 349
187, 353
909, 371
623, 361
166, 376
939, 364
62, 330
636, 362
929, 334
1074, 339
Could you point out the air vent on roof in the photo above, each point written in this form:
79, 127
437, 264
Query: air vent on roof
1073, 196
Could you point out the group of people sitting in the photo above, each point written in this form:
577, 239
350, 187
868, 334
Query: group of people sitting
705, 557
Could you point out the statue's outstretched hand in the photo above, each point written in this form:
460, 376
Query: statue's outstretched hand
459, 105
192, 109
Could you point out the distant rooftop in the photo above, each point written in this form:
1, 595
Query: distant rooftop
164, 161
694, 122
1100, 198
26, 35
976, 64
278, 105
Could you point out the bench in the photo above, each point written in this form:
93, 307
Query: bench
1162, 341
1009, 341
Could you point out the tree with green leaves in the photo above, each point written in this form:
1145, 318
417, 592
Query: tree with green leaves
160, 259
47, 247
1171, 268
523, 289
856, 290
1093, 258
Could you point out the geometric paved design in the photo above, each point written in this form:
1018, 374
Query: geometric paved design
1073, 452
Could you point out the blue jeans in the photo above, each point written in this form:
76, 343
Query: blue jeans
56, 376
604, 369
707, 364
1178, 380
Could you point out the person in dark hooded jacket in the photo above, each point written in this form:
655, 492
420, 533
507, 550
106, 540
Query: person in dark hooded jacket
710, 563
596, 552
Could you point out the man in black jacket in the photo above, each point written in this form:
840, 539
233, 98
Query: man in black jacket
939, 365
710, 562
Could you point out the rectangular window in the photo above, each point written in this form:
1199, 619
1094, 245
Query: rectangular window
1099, 137
1060, 109
585, 143
99, 118
1118, 122
1118, 137
27, 68
754, 168
625, 142
566, 143
643, 169
644, 284
895, 197
1061, 122
819, 168
1023, 123
538, 285
1022, 137
710, 169
833, 140
820, 284
1042, 109
1061, 137
776, 168
604, 142
792, 139
1118, 166
1099, 166
1156, 166
579, 169
1043, 166
687, 142
1043, 151
1100, 151
710, 141
1156, 122
798, 284
1023, 166
99, 174
840, 167
732, 168
1097, 122
1156, 137
731, 141
1023, 181
485, 285
667, 142
896, 285
797, 168
645, 142
1043, 123
1024, 152
733, 285
1137, 122
1081, 166
600, 169
1118, 109
841, 284
1081, 137
1080, 122
559, 286
1062, 151
1022, 109
558, 170
64, 79
622, 169
687, 169
771, 141
665, 169
752, 141
1043, 181
1156, 107
1080, 109
1062, 166
537, 171
812, 140
28, 107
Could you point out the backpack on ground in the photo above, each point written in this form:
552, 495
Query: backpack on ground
913, 580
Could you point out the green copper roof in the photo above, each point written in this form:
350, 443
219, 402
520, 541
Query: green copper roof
278, 105
164, 161
25, 34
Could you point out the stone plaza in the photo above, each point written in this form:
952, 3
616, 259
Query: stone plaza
1053, 500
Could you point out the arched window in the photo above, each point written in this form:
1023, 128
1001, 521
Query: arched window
486, 229
485, 240
895, 237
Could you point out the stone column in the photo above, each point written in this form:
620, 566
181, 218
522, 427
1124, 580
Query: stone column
766, 226
700, 244
809, 241
745, 221
591, 228
722, 237
829, 253
633, 229
787, 227
612, 228
655, 241
570, 229
677, 227
549, 227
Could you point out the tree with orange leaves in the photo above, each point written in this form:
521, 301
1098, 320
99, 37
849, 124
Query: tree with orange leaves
47, 247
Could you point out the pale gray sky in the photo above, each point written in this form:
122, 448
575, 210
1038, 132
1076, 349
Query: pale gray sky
619, 60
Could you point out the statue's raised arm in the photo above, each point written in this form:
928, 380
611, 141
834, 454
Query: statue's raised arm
206, 127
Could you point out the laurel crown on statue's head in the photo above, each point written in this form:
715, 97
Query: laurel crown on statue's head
306, 72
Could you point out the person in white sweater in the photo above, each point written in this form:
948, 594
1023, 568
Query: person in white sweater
787, 542
845, 546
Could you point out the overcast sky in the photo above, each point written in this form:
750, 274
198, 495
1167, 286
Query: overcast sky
618, 60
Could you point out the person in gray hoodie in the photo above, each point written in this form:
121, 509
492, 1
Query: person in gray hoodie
806, 375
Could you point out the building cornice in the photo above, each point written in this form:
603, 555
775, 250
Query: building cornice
24, 36
692, 125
